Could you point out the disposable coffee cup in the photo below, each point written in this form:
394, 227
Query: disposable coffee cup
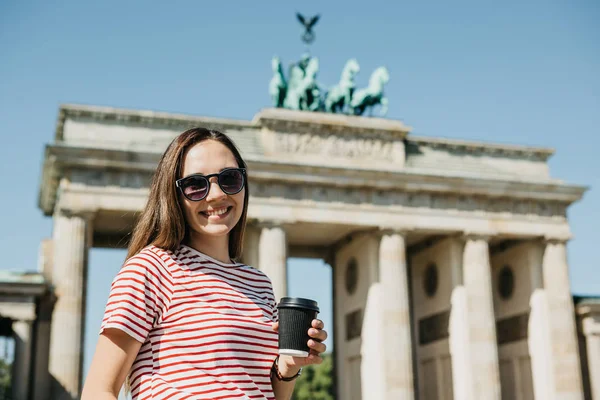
295, 318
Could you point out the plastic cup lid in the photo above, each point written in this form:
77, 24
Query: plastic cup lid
298, 302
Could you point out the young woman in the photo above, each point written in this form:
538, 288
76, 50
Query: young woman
185, 319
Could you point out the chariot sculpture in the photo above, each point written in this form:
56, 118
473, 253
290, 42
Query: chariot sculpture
300, 90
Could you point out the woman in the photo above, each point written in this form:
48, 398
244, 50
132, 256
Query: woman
185, 319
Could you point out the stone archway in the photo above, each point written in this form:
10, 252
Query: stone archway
341, 187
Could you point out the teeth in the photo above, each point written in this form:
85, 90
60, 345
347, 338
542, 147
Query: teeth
217, 212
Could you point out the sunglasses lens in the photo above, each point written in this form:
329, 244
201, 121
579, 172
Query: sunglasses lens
231, 181
195, 188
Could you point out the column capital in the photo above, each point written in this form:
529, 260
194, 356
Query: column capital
402, 231
87, 214
477, 235
554, 239
268, 223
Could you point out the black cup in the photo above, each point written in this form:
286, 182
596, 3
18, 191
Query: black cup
295, 318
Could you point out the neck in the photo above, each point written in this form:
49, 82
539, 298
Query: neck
216, 247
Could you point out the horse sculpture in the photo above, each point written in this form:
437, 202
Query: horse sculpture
371, 95
338, 98
303, 91
278, 85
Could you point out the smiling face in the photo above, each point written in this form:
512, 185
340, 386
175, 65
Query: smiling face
217, 214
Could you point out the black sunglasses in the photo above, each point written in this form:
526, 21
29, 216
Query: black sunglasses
196, 187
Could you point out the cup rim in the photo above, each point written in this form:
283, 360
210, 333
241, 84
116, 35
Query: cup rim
298, 302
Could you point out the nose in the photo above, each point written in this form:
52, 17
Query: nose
214, 191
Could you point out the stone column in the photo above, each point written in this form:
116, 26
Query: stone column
251, 243
483, 347
71, 238
458, 329
23, 336
42, 387
591, 331
563, 332
272, 256
538, 338
593, 354
396, 318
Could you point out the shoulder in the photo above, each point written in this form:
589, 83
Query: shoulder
257, 273
151, 261
257, 278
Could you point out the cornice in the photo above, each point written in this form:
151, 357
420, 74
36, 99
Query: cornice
61, 157
588, 306
284, 121
142, 118
480, 148
411, 181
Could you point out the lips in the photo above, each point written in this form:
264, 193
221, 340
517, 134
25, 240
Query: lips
216, 213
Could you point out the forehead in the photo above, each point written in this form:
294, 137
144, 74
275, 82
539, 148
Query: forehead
207, 157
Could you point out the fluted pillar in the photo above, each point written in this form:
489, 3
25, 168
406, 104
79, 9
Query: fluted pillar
593, 356
483, 348
272, 256
71, 237
563, 332
538, 337
458, 330
23, 336
251, 244
41, 377
396, 318
589, 312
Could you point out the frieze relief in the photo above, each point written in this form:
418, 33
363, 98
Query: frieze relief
132, 180
336, 146
437, 201
347, 195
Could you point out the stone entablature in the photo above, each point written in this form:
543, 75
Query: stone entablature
307, 137
26, 300
310, 157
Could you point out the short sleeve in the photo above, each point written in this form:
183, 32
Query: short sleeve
275, 312
273, 301
139, 295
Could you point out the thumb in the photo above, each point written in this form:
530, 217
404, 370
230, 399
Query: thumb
275, 326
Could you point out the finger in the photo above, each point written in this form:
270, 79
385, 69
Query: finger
317, 334
314, 359
316, 346
317, 323
275, 326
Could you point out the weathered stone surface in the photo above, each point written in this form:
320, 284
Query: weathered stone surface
328, 185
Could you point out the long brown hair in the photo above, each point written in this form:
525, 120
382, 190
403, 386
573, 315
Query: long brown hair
162, 223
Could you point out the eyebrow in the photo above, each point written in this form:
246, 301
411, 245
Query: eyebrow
200, 173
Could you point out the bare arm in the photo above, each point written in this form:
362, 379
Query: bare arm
283, 390
289, 366
114, 355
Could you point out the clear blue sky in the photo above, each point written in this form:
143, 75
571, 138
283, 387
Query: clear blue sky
509, 72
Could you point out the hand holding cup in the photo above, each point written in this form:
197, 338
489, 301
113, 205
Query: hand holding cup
301, 335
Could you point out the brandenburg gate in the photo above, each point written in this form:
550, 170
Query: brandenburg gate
451, 278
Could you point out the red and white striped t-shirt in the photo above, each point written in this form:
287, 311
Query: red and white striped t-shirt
205, 326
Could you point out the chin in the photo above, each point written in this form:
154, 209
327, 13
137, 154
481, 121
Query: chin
215, 231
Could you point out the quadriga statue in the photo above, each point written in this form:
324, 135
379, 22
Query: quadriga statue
278, 85
338, 98
301, 90
372, 95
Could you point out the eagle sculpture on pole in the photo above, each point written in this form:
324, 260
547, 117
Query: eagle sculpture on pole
308, 37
